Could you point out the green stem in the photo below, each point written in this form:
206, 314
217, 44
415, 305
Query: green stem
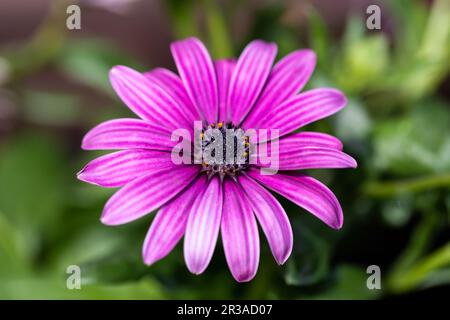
416, 275
392, 188
218, 34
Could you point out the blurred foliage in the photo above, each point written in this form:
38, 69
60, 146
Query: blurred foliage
397, 125
89, 61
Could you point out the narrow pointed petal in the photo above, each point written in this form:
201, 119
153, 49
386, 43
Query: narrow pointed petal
197, 72
309, 139
239, 233
315, 158
127, 134
307, 193
312, 158
224, 70
249, 77
146, 99
203, 227
118, 168
272, 217
300, 140
170, 222
304, 109
145, 194
287, 78
172, 84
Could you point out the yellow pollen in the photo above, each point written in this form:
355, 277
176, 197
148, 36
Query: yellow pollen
202, 135
220, 124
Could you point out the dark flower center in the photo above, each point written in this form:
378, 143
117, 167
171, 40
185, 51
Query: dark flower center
225, 150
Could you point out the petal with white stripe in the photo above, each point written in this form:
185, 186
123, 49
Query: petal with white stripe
203, 227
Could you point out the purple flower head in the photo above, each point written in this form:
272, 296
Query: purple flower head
199, 200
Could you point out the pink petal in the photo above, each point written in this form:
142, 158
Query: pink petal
306, 192
300, 140
196, 70
118, 168
172, 84
239, 233
203, 227
146, 99
169, 224
127, 134
224, 70
272, 217
313, 158
147, 193
287, 78
249, 77
304, 109
309, 139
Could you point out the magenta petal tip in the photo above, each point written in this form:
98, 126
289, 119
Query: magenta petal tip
338, 224
105, 219
353, 163
150, 259
82, 175
308, 54
281, 259
245, 278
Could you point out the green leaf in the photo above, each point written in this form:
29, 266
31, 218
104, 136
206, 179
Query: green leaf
120, 267
424, 272
353, 122
86, 245
431, 60
319, 38
15, 255
32, 181
220, 44
412, 18
397, 212
350, 283
311, 265
182, 13
381, 189
420, 241
269, 26
363, 64
51, 108
55, 288
411, 145
89, 62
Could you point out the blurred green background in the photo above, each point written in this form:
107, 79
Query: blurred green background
54, 87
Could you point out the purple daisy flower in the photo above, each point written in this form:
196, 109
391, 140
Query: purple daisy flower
199, 200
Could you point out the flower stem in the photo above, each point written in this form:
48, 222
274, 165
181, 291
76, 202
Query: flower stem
381, 189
